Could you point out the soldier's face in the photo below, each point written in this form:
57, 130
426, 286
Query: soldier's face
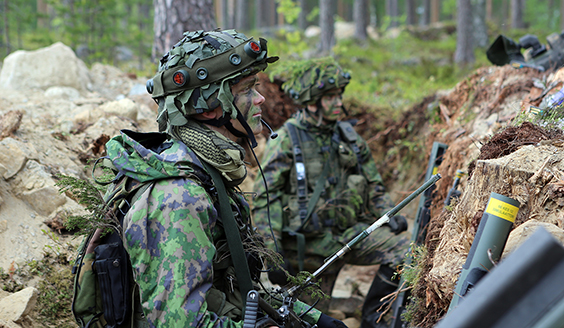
332, 105
248, 100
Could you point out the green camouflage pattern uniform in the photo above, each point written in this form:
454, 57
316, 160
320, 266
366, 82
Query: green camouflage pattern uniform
175, 239
343, 210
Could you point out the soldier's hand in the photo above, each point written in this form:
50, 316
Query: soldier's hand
278, 276
398, 224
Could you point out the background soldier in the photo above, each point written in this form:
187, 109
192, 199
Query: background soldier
176, 231
324, 189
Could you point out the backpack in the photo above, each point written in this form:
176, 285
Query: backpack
105, 293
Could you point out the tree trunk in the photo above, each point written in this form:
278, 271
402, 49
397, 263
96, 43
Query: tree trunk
326, 24
464, 53
143, 22
242, 15
6, 14
517, 14
411, 16
435, 11
174, 17
426, 17
489, 10
504, 15
374, 15
360, 19
479, 23
302, 22
260, 11
392, 11
43, 14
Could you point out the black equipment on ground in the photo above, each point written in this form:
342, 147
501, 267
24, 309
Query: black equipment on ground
505, 51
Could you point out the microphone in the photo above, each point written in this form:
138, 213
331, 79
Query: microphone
273, 135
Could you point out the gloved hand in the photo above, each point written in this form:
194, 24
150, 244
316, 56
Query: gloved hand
397, 224
277, 276
326, 321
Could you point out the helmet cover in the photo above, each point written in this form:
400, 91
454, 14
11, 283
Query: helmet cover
195, 75
308, 81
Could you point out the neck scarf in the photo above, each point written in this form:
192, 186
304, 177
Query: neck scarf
215, 149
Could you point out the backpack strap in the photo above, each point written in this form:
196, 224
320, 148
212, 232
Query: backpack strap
305, 207
232, 233
300, 170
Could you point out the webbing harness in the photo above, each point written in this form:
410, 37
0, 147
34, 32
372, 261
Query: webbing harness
305, 206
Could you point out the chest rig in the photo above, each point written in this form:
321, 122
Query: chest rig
318, 165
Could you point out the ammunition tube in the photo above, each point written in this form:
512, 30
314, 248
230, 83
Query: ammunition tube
487, 247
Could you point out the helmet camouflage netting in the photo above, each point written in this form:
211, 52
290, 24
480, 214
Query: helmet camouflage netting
193, 77
308, 80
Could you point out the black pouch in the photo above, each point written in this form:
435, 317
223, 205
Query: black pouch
112, 270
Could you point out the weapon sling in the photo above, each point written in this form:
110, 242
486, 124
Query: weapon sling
232, 233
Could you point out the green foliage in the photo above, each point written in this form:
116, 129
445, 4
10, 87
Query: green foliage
290, 9
55, 285
313, 14
411, 273
88, 194
309, 286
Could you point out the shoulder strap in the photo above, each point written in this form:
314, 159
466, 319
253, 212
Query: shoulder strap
232, 233
350, 136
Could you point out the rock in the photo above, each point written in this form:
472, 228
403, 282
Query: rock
524, 231
56, 65
337, 314
8, 324
347, 305
124, 107
13, 156
344, 30
312, 31
44, 200
19, 305
351, 322
10, 123
66, 93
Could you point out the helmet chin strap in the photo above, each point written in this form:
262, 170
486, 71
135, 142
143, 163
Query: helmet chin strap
226, 121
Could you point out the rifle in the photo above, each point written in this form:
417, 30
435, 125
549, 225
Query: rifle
420, 227
285, 315
453, 192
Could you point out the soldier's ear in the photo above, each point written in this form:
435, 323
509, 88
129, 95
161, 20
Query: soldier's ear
210, 115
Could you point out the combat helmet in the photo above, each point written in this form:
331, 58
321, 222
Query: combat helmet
308, 81
195, 75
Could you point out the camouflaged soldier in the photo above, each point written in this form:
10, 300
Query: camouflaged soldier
176, 231
324, 188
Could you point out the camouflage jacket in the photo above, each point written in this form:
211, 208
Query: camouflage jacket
349, 196
174, 236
